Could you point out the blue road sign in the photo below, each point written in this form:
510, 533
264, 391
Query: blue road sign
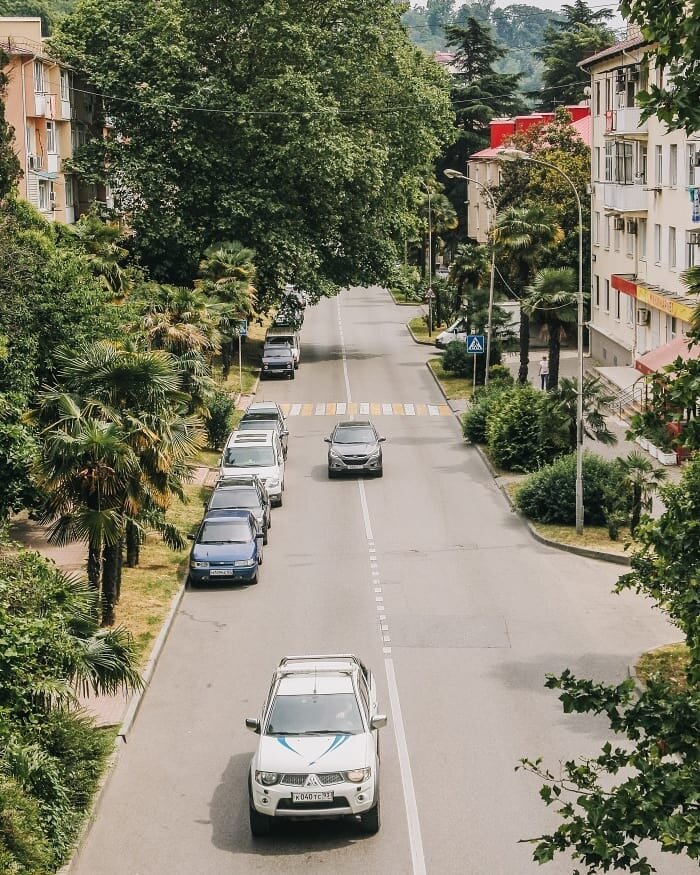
243, 328
475, 343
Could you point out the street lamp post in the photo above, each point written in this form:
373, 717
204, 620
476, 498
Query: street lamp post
520, 155
430, 262
455, 174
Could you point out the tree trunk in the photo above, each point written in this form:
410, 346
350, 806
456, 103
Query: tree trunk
120, 565
226, 358
636, 508
553, 350
109, 583
93, 566
133, 545
524, 346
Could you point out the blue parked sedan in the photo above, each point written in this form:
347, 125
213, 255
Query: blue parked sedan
226, 548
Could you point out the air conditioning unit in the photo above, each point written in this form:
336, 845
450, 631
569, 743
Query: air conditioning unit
643, 316
35, 162
618, 223
620, 85
696, 158
694, 238
631, 226
634, 73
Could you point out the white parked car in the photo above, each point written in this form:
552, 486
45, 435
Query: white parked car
318, 754
457, 331
256, 452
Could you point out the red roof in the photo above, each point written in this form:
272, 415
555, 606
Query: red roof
658, 358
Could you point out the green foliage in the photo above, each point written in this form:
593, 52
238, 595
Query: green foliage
267, 125
218, 423
474, 421
405, 283
457, 360
549, 495
513, 430
9, 164
24, 846
500, 375
18, 448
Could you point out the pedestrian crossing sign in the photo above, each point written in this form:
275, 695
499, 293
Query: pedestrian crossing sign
475, 343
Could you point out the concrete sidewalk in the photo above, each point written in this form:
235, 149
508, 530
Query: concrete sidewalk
72, 559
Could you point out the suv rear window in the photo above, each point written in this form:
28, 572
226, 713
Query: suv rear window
249, 457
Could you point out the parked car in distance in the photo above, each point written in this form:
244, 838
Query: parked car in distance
318, 753
260, 422
457, 331
256, 452
227, 547
442, 271
280, 335
355, 446
266, 409
278, 361
243, 496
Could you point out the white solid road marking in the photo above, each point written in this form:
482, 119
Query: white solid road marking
364, 408
343, 353
387, 410
340, 408
409, 410
320, 409
432, 410
295, 410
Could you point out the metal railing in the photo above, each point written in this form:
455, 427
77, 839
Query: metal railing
637, 393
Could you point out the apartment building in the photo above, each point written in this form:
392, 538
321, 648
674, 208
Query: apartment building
483, 167
52, 115
645, 216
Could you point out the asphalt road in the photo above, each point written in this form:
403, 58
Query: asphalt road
430, 578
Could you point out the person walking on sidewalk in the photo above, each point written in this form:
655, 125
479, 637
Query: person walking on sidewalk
543, 372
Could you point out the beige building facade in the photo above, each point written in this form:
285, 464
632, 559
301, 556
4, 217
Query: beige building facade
645, 215
52, 115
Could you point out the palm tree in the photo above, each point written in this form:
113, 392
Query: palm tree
179, 320
524, 236
99, 241
691, 278
553, 295
561, 402
643, 480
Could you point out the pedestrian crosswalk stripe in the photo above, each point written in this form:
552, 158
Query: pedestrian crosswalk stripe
365, 408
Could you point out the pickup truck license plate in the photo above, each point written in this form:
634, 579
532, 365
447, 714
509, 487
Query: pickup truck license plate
313, 796
221, 572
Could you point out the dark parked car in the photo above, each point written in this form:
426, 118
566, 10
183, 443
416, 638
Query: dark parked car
278, 361
243, 496
227, 547
355, 446
262, 422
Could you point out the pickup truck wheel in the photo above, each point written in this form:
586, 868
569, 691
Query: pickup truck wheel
370, 821
260, 824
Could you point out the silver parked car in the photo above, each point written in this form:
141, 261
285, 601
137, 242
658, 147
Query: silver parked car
355, 446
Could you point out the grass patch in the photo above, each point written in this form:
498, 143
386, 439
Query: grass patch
404, 299
453, 387
420, 330
669, 663
148, 590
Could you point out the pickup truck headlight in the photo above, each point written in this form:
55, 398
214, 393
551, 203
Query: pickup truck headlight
196, 564
267, 779
244, 563
375, 453
357, 776
273, 482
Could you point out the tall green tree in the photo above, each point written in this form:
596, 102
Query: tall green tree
553, 297
524, 238
288, 128
582, 33
562, 404
9, 163
643, 479
642, 788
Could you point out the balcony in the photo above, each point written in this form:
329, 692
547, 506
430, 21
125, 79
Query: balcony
625, 198
626, 121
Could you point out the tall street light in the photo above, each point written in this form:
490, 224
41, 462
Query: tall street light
430, 262
520, 155
455, 174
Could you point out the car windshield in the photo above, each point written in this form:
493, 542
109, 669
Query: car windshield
280, 353
260, 424
223, 498
282, 340
249, 457
319, 714
354, 435
225, 532
265, 415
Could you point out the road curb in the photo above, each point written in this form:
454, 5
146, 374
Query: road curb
420, 342
125, 727
587, 552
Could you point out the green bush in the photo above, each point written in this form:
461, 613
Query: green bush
218, 424
24, 848
474, 420
500, 374
405, 284
513, 431
457, 360
549, 495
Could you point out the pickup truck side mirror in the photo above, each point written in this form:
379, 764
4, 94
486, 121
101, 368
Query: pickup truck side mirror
381, 439
327, 440
377, 722
252, 724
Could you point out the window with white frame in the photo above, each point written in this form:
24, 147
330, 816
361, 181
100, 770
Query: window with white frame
690, 164
691, 258
70, 200
596, 103
596, 289
623, 162
51, 145
657, 244
672, 248
630, 309
608, 93
596, 163
65, 85
617, 303
616, 238
43, 194
642, 238
658, 165
606, 228
641, 164
608, 162
673, 164
607, 296
596, 228
39, 78
629, 242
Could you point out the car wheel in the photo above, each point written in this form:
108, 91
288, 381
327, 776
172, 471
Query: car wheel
269, 521
370, 821
260, 824
279, 500
253, 580
265, 536
189, 583
379, 472
260, 556
292, 375
331, 474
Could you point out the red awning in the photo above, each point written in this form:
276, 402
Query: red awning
656, 359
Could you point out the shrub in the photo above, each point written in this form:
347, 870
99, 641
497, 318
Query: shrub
457, 360
513, 430
405, 284
549, 495
474, 420
500, 374
218, 424
24, 848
